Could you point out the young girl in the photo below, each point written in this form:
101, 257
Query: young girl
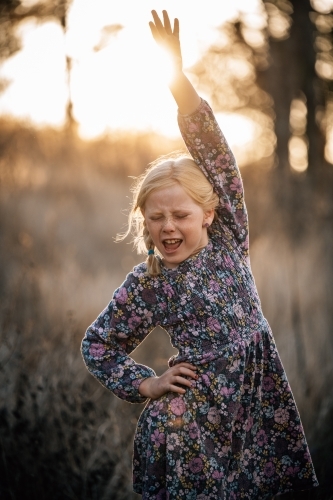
221, 422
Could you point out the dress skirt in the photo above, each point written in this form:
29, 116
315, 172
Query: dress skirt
235, 434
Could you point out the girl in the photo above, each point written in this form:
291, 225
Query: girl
221, 422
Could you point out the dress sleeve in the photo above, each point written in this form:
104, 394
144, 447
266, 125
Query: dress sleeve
210, 151
117, 331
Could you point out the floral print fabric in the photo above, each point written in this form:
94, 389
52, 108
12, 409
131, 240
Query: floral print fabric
236, 434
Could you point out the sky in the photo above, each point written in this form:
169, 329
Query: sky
118, 81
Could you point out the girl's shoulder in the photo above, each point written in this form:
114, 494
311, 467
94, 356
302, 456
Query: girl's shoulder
140, 275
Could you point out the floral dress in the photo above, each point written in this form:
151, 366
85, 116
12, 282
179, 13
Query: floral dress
236, 434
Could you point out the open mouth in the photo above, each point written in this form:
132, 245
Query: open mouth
171, 244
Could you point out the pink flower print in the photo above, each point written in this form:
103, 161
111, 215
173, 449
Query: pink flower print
193, 127
225, 391
238, 310
179, 468
298, 446
269, 469
158, 438
256, 478
193, 430
257, 337
196, 465
148, 315
134, 321
236, 185
173, 441
168, 290
178, 406
213, 416
136, 382
96, 350
122, 296
157, 408
240, 414
213, 324
246, 457
261, 438
230, 479
268, 383
214, 286
235, 365
217, 475
249, 424
205, 379
292, 471
228, 262
229, 280
220, 161
281, 416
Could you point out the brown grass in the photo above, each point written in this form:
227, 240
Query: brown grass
62, 435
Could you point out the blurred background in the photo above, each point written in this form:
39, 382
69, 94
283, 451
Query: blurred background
84, 107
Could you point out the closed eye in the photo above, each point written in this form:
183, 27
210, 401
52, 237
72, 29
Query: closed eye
156, 217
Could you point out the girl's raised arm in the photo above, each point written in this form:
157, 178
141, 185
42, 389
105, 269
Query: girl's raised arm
181, 88
204, 138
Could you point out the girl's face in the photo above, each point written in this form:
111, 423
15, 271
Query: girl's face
176, 224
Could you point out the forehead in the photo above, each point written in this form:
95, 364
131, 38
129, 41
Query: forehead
170, 198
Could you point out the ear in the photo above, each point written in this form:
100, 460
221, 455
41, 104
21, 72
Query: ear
209, 216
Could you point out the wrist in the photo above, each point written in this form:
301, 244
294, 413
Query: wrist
144, 387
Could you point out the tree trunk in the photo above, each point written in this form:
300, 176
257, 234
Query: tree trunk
290, 73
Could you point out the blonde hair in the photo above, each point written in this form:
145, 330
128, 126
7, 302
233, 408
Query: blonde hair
163, 173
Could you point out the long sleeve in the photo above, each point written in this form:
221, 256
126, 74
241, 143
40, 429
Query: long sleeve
210, 151
117, 331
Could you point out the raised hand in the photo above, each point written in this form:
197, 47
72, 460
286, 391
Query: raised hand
155, 387
167, 38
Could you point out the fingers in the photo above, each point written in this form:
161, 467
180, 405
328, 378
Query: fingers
167, 25
154, 31
186, 372
157, 21
177, 389
176, 27
186, 366
166, 21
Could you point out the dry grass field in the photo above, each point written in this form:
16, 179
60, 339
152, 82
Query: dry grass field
62, 202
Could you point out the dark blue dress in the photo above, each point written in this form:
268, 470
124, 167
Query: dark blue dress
236, 434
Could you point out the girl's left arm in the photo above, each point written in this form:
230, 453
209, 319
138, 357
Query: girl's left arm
117, 331
203, 137
211, 152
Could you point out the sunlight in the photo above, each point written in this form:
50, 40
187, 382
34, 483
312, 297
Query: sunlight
298, 153
329, 133
323, 6
118, 77
250, 135
298, 114
37, 94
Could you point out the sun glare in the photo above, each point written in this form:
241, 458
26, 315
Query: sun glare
119, 77
38, 90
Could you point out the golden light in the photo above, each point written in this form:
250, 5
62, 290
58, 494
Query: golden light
38, 91
323, 6
119, 78
278, 21
298, 153
297, 118
329, 133
325, 68
250, 135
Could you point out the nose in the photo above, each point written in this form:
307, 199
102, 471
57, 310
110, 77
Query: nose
169, 224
